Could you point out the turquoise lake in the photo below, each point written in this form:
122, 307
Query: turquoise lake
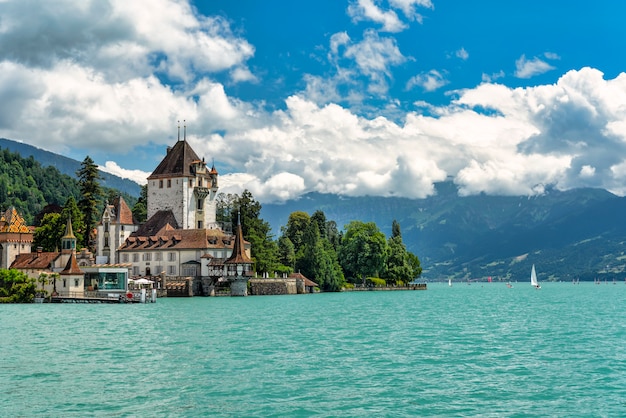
466, 350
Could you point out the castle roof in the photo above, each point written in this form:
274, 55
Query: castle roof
157, 222
11, 221
178, 239
177, 162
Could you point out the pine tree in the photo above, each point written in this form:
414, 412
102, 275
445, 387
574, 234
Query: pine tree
91, 193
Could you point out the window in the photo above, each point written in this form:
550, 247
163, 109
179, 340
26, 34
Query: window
64, 282
200, 204
135, 258
171, 256
171, 270
160, 184
106, 227
158, 256
169, 183
106, 242
135, 271
124, 258
147, 257
75, 282
200, 182
199, 224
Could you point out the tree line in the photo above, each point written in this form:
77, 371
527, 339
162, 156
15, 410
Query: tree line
314, 246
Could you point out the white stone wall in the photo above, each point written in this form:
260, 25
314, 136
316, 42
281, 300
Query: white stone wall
167, 198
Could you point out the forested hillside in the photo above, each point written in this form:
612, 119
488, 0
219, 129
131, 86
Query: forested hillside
29, 187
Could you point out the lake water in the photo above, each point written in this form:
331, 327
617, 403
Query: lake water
466, 350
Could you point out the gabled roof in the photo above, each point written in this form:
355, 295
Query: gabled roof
37, 260
157, 222
123, 214
177, 162
178, 239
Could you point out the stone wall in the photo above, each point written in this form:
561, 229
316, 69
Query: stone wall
273, 287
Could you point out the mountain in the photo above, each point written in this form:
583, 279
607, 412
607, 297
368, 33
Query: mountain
69, 166
567, 234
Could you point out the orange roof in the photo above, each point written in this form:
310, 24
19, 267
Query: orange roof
11, 221
239, 255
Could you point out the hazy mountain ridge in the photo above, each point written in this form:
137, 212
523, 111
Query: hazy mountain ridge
69, 166
567, 234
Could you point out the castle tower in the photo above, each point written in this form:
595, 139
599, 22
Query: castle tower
72, 278
183, 184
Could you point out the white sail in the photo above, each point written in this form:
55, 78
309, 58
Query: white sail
533, 277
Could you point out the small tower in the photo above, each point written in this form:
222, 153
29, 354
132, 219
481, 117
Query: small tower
238, 266
68, 240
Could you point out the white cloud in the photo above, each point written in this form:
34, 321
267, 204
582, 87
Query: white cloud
137, 176
368, 11
525, 68
429, 81
462, 54
489, 138
409, 7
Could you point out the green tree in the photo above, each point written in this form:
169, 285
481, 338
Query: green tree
286, 252
16, 287
91, 193
140, 208
296, 225
402, 266
363, 250
48, 234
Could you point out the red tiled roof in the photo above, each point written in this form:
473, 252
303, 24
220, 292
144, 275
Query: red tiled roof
179, 239
71, 267
122, 211
35, 260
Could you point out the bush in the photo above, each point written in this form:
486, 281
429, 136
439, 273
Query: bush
376, 282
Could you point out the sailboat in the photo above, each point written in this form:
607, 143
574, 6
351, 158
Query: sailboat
533, 278
450, 282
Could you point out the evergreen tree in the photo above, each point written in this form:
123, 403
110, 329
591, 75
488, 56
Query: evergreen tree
140, 208
286, 253
91, 193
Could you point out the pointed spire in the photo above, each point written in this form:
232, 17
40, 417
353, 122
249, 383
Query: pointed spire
239, 255
68, 241
185, 130
69, 233
178, 131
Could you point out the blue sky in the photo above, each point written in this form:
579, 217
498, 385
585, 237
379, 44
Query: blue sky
354, 97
